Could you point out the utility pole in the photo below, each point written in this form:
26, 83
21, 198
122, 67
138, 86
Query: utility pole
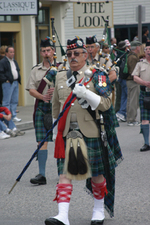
140, 23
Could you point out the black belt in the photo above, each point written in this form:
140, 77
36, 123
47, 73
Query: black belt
143, 88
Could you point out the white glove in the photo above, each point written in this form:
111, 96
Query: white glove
92, 98
54, 131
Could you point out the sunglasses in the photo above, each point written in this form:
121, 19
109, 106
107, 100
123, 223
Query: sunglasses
69, 54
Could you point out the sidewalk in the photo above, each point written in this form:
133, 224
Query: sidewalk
26, 116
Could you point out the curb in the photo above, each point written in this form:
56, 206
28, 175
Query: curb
25, 125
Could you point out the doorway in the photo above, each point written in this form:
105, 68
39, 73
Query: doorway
6, 38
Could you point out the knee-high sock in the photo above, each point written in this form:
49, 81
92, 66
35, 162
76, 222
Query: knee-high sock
99, 191
42, 157
63, 195
145, 132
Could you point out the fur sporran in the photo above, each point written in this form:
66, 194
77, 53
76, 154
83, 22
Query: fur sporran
146, 102
76, 165
48, 120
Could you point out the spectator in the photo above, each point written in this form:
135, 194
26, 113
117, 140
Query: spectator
106, 50
10, 77
113, 52
136, 37
142, 77
121, 114
7, 124
145, 38
2, 54
128, 43
133, 88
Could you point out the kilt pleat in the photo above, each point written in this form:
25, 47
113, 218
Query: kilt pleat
40, 130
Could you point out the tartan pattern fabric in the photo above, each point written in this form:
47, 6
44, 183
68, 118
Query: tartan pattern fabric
102, 90
40, 130
95, 157
144, 113
110, 118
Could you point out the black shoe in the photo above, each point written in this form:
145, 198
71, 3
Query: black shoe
53, 221
39, 179
97, 222
145, 148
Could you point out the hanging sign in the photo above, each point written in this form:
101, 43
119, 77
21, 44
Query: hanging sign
93, 14
19, 7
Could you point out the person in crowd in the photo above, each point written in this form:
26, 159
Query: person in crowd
145, 38
128, 43
77, 122
2, 54
3, 135
7, 126
106, 50
121, 114
136, 37
10, 77
42, 92
133, 89
141, 76
113, 52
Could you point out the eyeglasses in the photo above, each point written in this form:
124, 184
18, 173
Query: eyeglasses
69, 54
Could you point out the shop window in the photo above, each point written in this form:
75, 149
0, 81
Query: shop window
9, 19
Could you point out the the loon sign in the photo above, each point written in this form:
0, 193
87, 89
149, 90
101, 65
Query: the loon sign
93, 14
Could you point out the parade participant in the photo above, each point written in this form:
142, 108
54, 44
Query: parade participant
81, 159
141, 76
93, 55
42, 105
92, 47
133, 88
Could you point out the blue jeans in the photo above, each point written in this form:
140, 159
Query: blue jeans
10, 96
7, 124
123, 106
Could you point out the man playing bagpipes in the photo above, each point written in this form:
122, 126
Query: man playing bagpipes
95, 55
108, 72
78, 147
39, 89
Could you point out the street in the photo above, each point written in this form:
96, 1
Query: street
31, 205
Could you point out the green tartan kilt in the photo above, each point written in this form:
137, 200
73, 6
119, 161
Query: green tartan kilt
40, 130
94, 149
145, 113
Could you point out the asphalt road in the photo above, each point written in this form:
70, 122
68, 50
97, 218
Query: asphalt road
31, 205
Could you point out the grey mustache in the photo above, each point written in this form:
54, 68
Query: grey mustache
74, 60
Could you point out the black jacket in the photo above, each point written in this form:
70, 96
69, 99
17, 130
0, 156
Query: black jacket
5, 71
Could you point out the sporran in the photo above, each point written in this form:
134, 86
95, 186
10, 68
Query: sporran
47, 119
76, 165
146, 102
